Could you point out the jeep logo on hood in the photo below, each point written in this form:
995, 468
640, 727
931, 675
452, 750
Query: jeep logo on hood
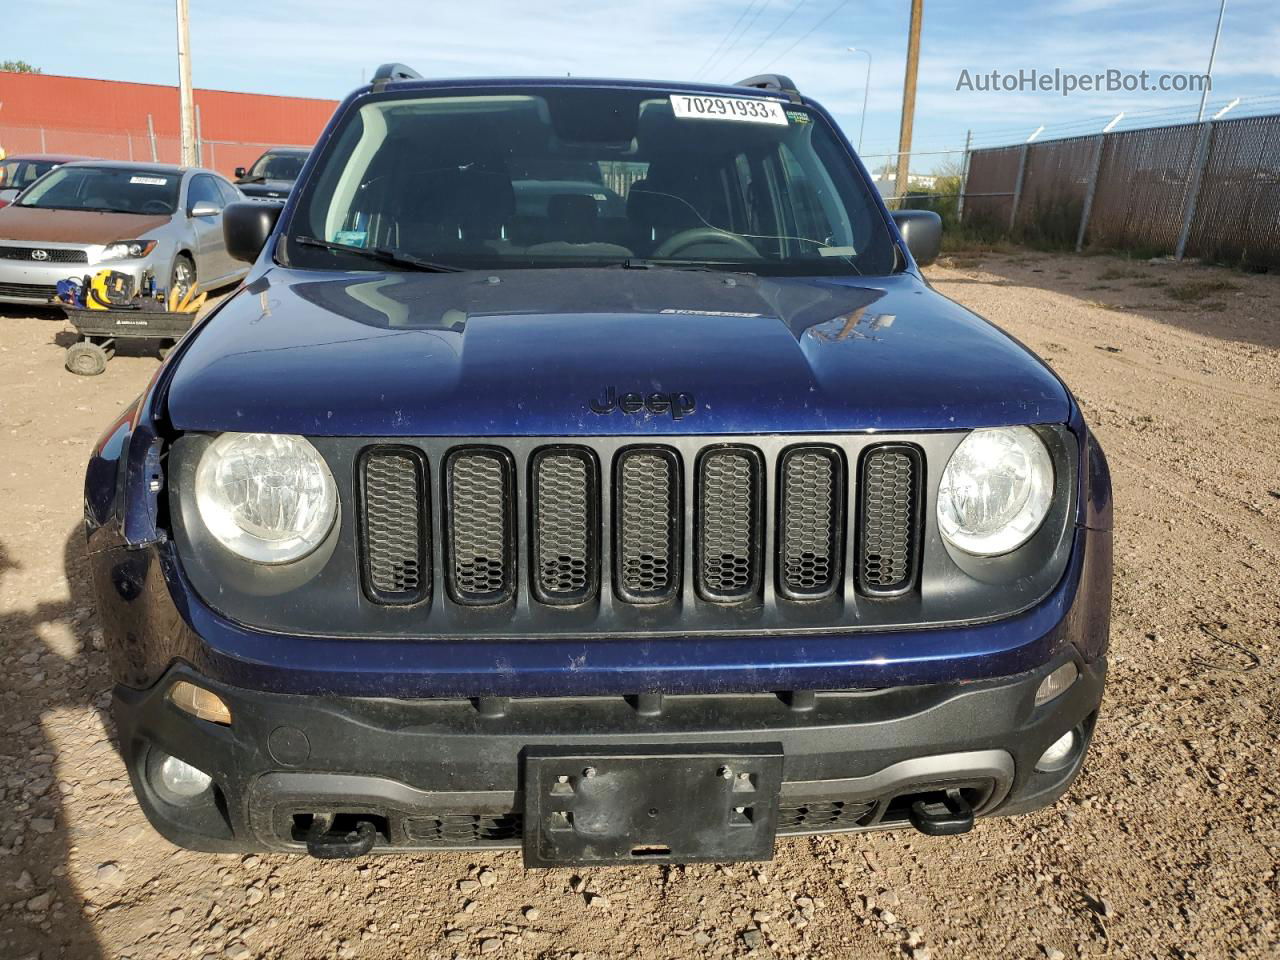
677, 404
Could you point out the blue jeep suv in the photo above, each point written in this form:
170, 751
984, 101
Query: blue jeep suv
586, 467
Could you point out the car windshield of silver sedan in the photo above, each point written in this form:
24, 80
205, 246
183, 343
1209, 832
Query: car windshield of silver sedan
585, 176
106, 189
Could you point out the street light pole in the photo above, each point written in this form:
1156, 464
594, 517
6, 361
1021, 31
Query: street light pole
186, 100
866, 87
1213, 52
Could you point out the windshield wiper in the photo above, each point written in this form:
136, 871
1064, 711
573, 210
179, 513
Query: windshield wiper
639, 263
382, 256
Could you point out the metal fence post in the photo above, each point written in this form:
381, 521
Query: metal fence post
151, 132
1193, 188
43, 148
199, 144
1090, 190
964, 176
1017, 186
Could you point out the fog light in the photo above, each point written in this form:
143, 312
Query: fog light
1058, 754
200, 702
1055, 683
182, 779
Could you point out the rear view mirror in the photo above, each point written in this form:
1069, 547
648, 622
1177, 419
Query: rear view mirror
922, 231
204, 208
240, 172
246, 225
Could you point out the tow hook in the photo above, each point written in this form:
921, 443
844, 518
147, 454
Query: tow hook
325, 845
942, 816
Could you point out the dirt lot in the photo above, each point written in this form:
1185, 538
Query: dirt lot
1167, 847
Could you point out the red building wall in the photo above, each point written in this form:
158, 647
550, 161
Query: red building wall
108, 118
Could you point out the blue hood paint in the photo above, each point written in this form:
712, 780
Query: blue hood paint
526, 351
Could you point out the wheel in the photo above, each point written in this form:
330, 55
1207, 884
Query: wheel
87, 359
183, 276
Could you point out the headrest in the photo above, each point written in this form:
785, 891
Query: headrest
571, 208
464, 195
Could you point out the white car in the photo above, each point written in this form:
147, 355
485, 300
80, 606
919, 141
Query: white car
142, 219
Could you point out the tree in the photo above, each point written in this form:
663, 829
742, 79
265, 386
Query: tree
18, 66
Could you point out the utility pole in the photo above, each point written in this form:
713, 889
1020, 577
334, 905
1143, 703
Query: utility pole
909, 99
1213, 52
186, 100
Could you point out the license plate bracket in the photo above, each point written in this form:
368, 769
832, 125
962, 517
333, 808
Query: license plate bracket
696, 804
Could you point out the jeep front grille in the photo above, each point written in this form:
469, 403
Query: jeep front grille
647, 541
480, 526
395, 536
887, 525
765, 525
810, 535
566, 523
728, 523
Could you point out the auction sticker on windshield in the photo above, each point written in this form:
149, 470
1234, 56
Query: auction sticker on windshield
150, 181
692, 107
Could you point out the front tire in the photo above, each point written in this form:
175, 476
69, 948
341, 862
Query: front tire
182, 278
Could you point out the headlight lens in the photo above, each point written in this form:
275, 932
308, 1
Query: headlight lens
128, 249
266, 496
995, 491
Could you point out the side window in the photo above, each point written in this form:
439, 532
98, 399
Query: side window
229, 193
203, 189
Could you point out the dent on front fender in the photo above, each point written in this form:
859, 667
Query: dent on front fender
122, 483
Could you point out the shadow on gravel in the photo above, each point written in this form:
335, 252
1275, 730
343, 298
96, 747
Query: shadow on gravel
1210, 301
50, 665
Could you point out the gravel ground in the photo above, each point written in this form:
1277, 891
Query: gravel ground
1166, 847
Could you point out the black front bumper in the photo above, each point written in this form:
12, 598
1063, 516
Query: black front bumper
446, 774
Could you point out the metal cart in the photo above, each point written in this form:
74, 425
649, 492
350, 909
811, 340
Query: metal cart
100, 329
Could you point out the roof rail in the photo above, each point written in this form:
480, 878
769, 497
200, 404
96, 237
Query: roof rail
772, 81
394, 71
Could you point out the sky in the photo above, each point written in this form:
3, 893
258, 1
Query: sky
324, 48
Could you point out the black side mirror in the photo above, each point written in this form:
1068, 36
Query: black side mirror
922, 230
240, 172
246, 225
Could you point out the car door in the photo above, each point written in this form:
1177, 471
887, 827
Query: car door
212, 260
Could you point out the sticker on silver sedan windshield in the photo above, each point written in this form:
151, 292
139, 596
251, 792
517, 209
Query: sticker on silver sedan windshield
690, 107
150, 181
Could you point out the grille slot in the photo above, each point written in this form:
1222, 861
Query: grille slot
463, 829
888, 524
565, 525
395, 534
728, 523
481, 561
824, 814
811, 494
28, 291
647, 549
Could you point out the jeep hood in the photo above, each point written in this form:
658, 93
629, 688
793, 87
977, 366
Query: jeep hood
527, 351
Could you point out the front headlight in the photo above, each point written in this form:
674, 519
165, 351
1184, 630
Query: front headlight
996, 491
265, 496
127, 249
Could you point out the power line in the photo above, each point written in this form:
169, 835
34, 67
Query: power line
732, 30
805, 36
732, 38
745, 30
772, 33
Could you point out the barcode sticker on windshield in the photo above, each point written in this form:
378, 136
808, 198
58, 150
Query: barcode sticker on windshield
690, 107
150, 181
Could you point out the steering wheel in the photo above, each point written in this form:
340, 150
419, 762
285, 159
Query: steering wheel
695, 235
155, 206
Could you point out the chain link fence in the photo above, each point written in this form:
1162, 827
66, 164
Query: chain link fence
1209, 190
142, 146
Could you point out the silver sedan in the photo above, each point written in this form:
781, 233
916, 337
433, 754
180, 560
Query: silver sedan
148, 221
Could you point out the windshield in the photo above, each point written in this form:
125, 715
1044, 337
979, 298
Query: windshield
113, 189
277, 166
590, 177
16, 174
